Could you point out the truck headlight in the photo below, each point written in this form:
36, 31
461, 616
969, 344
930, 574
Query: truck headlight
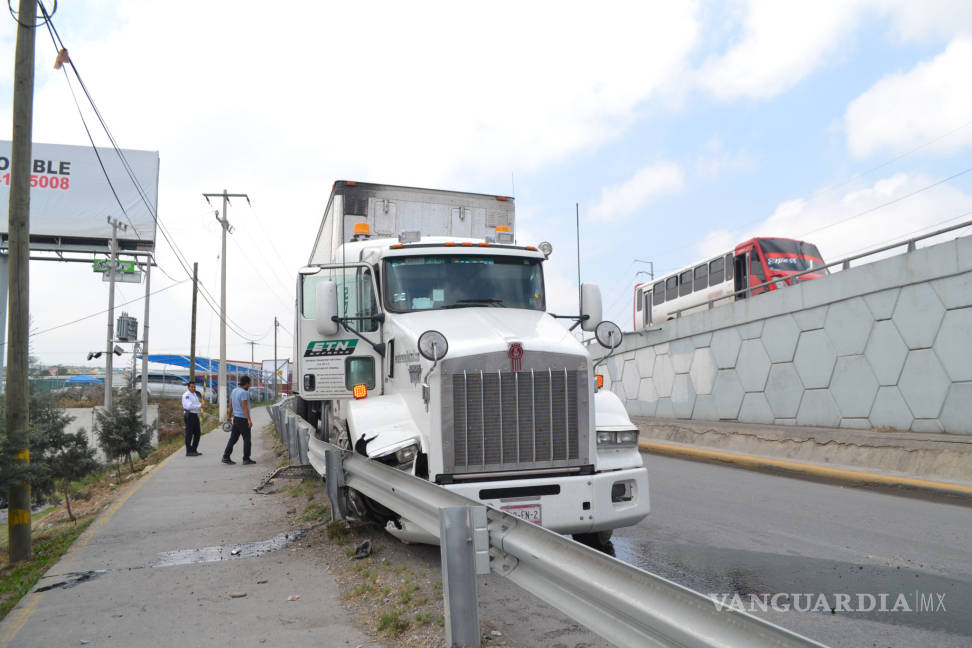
620, 439
401, 458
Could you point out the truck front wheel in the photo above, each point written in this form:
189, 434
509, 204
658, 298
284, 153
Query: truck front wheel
600, 540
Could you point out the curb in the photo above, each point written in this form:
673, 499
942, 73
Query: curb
843, 475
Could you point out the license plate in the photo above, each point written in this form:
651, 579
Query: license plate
528, 512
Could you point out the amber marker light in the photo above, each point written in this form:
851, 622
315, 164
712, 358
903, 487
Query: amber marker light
466, 244
362, 228
359, 391
600, 381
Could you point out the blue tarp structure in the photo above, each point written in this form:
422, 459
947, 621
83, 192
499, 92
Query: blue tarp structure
208, 365
83, 380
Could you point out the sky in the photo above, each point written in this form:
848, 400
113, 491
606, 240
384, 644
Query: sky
677, 129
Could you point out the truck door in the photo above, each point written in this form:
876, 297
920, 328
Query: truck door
331, 365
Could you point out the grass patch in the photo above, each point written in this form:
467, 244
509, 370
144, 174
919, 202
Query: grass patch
392, 623
16, 579
315, 513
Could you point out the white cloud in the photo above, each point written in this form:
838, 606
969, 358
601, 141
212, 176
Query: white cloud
908, 109
782, 43
621, 201
859, 219
715, 161
928, 19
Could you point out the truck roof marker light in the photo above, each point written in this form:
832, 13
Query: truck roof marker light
531, 248
397, 246
449, 244
360, 391
484, 244
600, 381
466, 244
351, 183
503, 198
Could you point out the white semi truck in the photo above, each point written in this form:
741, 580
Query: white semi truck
423, 341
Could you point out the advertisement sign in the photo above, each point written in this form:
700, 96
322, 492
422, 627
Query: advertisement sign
283, 370
70, 199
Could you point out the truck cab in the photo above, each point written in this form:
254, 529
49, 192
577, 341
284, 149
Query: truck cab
434, 353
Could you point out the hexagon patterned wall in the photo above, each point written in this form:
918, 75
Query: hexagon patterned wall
884, 345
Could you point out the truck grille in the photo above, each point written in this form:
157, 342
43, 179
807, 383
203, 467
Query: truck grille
517, 420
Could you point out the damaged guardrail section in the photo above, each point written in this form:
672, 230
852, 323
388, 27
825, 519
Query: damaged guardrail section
624, 604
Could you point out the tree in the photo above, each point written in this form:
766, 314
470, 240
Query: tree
62, 456
121, 431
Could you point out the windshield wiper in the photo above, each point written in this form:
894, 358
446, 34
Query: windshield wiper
467, 303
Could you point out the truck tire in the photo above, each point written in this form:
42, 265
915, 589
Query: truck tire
300, 407
600, 540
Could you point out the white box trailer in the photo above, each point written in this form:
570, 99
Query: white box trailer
389, 210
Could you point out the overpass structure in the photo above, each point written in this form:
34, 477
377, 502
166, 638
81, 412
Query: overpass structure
886, 345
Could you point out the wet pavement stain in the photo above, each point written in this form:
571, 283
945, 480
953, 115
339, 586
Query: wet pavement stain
227, 552
186, 557
71, 579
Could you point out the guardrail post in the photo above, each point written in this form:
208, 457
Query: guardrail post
293, 445
334, 479
464, 546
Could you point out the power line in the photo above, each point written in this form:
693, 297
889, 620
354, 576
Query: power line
102, 312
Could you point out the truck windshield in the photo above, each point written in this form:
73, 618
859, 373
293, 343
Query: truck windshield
461, 281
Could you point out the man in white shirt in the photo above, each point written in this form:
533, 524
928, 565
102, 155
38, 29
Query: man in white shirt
191, 406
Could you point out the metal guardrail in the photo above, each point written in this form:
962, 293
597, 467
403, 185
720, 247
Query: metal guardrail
625, 605
843, 263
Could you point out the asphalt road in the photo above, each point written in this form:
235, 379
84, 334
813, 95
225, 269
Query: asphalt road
726, 531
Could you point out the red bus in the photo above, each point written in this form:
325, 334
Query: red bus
749, 264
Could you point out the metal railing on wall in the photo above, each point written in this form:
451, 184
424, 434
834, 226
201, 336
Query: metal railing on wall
625, 605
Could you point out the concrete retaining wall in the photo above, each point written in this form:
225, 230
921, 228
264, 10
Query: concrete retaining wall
886, 345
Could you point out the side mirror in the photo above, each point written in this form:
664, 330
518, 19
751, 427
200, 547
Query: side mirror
325, 294
590, 306
608, 335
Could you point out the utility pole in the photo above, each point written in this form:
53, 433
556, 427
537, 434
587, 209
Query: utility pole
224, 222
145, 339
109, 344
276, 324
18, 227
192, 332
252, 344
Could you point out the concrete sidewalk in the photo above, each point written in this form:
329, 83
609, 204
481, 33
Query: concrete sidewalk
939, 463
136, 578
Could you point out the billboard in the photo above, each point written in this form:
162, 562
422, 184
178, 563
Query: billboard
70, 199
283, 371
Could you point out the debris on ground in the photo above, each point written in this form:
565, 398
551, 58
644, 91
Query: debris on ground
363, 550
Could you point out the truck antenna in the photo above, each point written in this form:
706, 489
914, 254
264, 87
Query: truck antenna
579, 305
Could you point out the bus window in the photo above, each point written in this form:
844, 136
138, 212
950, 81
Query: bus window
717, 271
756, 267
701, 277
658, 293
685, 283
671, 288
